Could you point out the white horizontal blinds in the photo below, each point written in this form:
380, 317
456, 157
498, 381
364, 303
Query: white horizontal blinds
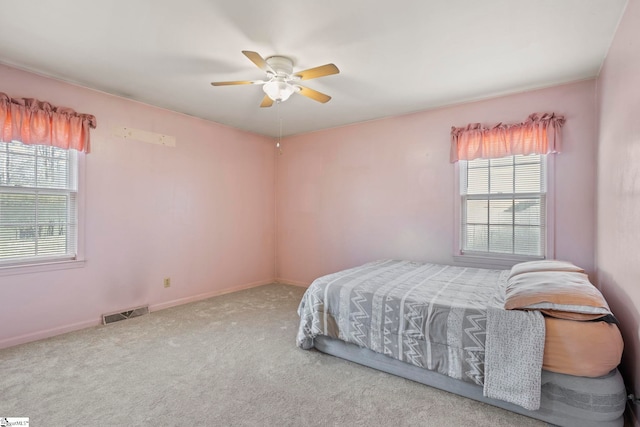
38, 198
503, 206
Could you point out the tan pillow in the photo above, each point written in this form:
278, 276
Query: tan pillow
585, 349
543, 265
564, 293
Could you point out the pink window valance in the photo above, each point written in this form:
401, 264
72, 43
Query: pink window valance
36, 122
539, 134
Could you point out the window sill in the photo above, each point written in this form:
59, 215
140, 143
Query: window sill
11, 270
491, 262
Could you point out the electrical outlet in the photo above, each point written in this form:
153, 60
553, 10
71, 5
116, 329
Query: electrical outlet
167, 282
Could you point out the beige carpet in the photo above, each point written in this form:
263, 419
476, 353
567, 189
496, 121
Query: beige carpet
225, 361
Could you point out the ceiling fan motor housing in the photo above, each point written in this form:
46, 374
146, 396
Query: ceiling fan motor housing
282, 65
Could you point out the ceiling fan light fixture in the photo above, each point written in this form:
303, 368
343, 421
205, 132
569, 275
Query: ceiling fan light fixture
278, 90
281, 83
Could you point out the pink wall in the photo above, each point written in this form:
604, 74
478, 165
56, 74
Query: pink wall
619, 186
385, 189
201, 213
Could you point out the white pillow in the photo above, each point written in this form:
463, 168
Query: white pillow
561, 294
544, 265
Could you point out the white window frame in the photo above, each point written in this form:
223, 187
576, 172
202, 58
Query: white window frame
34, 265
504, 261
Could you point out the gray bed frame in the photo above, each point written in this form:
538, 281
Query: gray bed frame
566, 400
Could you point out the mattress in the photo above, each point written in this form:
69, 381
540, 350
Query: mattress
566, 400
587, 349
438, 319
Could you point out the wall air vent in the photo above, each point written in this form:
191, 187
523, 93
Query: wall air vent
123, 315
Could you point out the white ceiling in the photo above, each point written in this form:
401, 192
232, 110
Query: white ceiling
395, 57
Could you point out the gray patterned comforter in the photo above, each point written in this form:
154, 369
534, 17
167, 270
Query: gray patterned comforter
432, 316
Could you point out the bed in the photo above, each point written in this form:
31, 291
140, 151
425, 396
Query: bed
538, 339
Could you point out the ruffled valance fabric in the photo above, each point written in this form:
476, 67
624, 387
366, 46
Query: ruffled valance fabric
36, 122
539, 134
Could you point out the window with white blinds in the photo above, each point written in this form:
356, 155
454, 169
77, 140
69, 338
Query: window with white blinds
503, 206
38, 203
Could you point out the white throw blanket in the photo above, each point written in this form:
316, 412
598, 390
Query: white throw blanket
514, 375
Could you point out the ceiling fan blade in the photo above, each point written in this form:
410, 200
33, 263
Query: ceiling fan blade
266, 102
314, 73
258, 60
238, 82
314, 94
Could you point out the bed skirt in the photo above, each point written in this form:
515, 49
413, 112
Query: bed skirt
566, 400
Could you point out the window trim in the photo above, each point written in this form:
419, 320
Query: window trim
28, 266
502, 261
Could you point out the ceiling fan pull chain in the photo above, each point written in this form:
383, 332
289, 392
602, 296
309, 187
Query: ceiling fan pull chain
280, 127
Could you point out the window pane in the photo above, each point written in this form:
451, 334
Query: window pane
16, 242
53, 172
52, 224
478, 181
528, 241
52, 209
17, 225
52, 240
476, 238
501, 180
528, 178
501, 239
477, 211
17, 209
21, 170
501, 212
502, 161
527, 212
531, 158
478, 163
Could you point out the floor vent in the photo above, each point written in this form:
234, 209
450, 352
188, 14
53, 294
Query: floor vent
123, 315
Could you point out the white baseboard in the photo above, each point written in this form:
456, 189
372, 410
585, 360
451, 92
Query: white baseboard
194, 298
48, 333
293, 282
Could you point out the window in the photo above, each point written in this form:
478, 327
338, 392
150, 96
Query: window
38, 204
503, 207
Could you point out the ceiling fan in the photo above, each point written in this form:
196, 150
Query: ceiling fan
281, 82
